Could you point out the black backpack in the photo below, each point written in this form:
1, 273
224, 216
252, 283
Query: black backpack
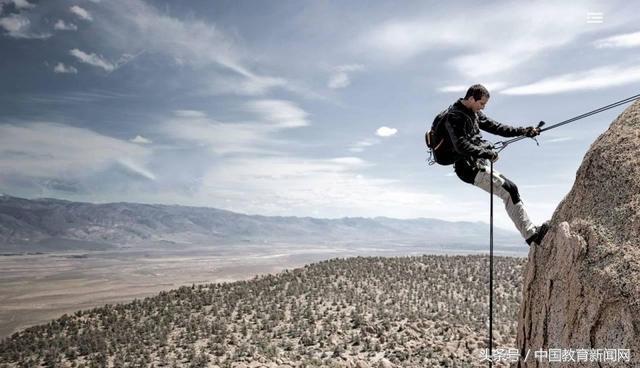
438, 141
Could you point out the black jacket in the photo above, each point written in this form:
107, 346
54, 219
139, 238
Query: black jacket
463, 126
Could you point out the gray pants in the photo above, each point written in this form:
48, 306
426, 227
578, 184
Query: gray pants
508, 192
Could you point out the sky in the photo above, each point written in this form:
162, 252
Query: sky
300, 108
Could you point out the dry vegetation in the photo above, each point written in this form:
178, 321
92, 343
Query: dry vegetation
360, 312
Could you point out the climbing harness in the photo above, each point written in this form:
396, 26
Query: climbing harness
499, 146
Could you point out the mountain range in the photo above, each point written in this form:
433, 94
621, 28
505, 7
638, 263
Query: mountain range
47, 224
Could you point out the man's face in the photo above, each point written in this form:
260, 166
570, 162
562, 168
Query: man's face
477, 105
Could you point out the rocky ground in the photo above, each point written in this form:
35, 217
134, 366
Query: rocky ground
426, 311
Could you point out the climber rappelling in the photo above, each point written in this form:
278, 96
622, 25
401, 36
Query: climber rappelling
455, 138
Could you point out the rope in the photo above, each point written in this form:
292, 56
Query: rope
491, 269
503, 144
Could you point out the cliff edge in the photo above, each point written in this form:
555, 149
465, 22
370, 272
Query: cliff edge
581, 288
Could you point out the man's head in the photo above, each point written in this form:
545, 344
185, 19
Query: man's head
477, 97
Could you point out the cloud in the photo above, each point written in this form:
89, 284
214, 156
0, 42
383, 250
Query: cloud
597, 78
93, 59
455, 88
140, 139
136, 168
400, 40
386, 131
534, 27
189, 114
19, 26
61, 68
340, 78
280, 113
462, 88
627, 40
361, 145
350, 161
219, 137
329, 187
493, 61
62, 26
259, 85
81, 13
92, 95
368, 142
227, 138
51, 150
22, 4
559, 139
197, 44
14, 23
17, 4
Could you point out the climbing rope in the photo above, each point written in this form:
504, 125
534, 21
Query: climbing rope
499, 146
503, 144
491, 268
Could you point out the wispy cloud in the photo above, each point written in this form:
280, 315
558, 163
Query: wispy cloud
454, 88
360, 146
280, 113
93, 59
597, 78
462, 88
219, 137
81, 13
195, 43
352, 162
400, 40
341, 78
227, 138
627, 40
190, 114
77, 97
558, 139
533, 28
63, 26
51, 150
136, 167
64, 69
331, 187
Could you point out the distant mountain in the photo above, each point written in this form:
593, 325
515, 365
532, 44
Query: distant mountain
51, 224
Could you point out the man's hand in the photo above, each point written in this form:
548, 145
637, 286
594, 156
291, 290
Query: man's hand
531, 131
494, 156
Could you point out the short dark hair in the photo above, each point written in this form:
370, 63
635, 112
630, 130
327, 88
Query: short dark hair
477, 91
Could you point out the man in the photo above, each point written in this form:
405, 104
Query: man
463, 123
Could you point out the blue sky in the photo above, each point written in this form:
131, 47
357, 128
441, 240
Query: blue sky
305, 108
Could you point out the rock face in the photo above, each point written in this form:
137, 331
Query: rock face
582, 285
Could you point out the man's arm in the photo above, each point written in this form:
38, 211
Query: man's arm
455, 125
489, 125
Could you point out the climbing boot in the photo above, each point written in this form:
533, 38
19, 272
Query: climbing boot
537, 237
